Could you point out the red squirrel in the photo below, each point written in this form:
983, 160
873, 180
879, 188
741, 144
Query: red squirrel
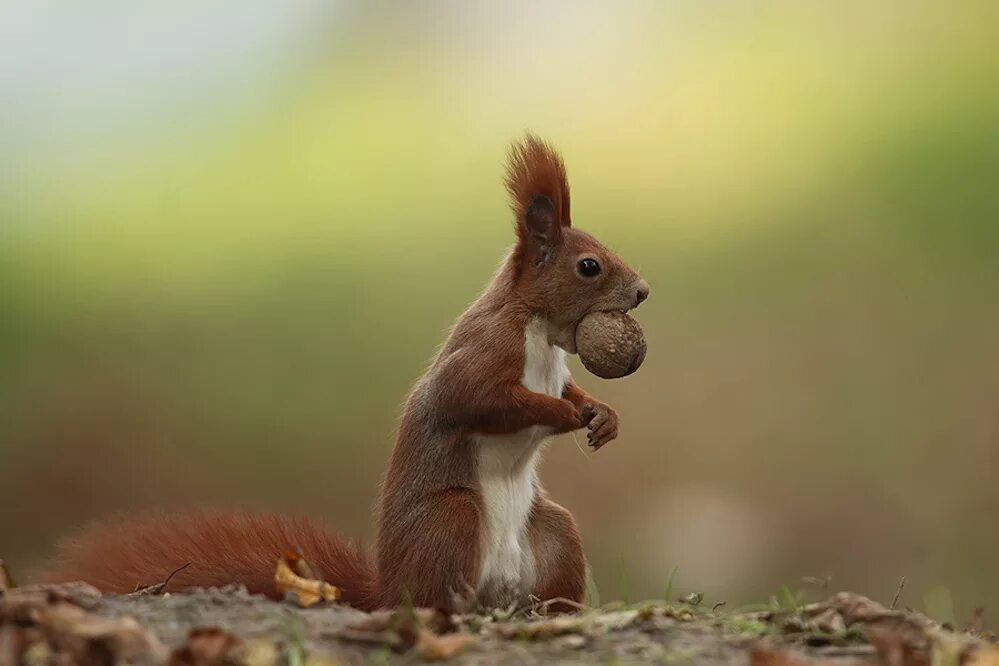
463, 517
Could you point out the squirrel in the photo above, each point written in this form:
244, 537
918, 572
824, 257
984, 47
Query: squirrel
462, 517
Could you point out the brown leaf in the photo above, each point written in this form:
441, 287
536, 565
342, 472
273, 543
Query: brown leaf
546, 628
900, 646
6, 580
427, 630
397, 629
589, 624
901, 638
207, 646
86, 637
385, 620
852, 607
261, 652
986, 656
308, 591
53, 620
12, 640
28, 599
432, 647
769, 656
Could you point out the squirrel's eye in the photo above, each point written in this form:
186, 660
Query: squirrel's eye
589, 267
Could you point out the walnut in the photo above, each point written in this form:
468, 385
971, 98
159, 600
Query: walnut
610, 344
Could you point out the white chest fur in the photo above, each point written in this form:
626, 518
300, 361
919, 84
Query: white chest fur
506, 467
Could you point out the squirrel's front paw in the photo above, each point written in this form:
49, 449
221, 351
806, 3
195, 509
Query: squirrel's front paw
601, 422
566, 417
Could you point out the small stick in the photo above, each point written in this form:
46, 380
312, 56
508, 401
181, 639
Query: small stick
562, 600
898, 593
977, 623
158, 587
176, 571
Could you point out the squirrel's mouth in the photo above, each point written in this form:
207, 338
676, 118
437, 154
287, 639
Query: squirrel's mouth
565, 337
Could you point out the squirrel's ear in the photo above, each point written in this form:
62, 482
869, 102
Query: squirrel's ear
542, 229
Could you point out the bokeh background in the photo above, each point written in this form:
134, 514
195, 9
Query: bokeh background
232, 235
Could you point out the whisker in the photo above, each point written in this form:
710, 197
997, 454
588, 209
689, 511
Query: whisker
581, 449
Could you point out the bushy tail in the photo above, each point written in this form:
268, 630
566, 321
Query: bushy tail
223, 548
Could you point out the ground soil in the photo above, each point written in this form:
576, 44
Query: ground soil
78, 625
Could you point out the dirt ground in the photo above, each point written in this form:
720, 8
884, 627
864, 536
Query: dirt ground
76, 624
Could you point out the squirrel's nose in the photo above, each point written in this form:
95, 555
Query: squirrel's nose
643, 293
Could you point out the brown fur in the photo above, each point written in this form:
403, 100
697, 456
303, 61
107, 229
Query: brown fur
535, 168
430, 512
558, 552
222, 547
439, 560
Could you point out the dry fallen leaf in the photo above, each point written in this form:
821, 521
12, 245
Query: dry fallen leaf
320, 660
28, 599
396, 629
897, 648
51, 624
6, 580
770, 656
988, 656
432, 647
12, 639
426, 630
590, 624
71, 630
206, 646
615, 620
558, 625
308, 591
261, 652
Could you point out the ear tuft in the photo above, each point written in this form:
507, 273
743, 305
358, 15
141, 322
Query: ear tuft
539, 196
535, 168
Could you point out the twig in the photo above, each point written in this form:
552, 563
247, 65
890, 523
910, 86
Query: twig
898, 593
158, 587
176, 571
562, 600
822, 583
977, 623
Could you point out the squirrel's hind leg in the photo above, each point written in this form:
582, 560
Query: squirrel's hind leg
558, 554
433, 561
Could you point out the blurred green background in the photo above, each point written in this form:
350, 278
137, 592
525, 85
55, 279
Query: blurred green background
231, 236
